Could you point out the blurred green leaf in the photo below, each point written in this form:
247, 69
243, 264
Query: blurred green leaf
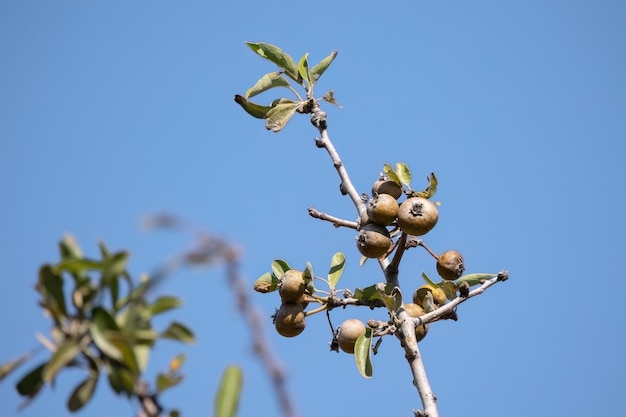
69, 248
303, 68
101, 327
127, 353
318, 69
279, 267
404, 173
165, 381
79, 265
32, 382
473, 279
228, 393
164, 303
180, 332
50, 286
64, 354
115, 265
363, 353
82, 393
266, 283
278, 116
174, 413
337, 263
268, 81
253, 109
11, 366
277, 56
121, 380
142, 354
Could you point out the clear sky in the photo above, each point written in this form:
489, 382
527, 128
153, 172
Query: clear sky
110, 111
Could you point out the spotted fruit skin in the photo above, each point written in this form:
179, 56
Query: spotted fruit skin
383, 209
349, 332
373, 240
387, 186
417, 216
289, 320
291, 286
450, 265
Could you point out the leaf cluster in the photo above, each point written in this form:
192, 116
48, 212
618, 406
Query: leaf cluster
101, 323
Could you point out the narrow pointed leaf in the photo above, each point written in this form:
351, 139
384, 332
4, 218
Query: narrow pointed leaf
266, 283
178, 331
279, 267
392, 299
164, 303
253, 109
165, 381
11, 366
124, 346
278, 116
32, 382
303, 68
337, 264
363, 353
308, 276
371, 293
318, 69
404, 173
65, 354
121, 380
228, 393
82, 393
430, 190
50, 286
388, 170
428, 280
69, 248
474, 279
268, 81
79, 265
276, 55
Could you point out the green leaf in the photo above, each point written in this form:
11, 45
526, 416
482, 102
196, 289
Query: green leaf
308, 276
121, 380
101, 328
371, 293
404, 173
449, 289
32, 382
430, 190
163, 304
266, 283
50, 286
82, 393
268, 81
279, 267
303, 68
388, 170
178, 331
11, 366
278, 116
337, 264
165, 381
127, 353
115, 265
318, 69
277, 56
392, 299
428, 304
253, 109
428, 280
363, 353
64, 354
68, 247
228, 393
473, 279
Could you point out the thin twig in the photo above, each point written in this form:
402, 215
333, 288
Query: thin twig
336, 221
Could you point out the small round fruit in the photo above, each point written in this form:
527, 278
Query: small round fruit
414, 310
450, 265
349, 332
417, 216
291, 286
373, 240
289, 319
439, 297
383, 209
387, 186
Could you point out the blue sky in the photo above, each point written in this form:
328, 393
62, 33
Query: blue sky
112, 111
